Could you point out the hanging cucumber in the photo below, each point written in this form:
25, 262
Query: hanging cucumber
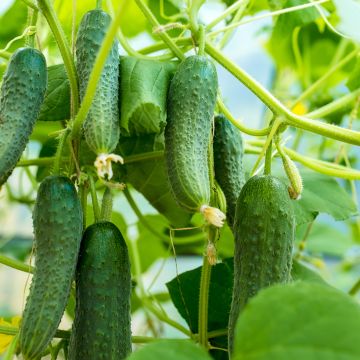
228, 163
264, 235
101, 126
191, 103
101, 327
57, 221
22, 93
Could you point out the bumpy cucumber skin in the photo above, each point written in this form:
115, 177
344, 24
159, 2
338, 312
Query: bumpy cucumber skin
22, 93
264, 235
190, 104
57, 222
101, 127
228, 163
101, 329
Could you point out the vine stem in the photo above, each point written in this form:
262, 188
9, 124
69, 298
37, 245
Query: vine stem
16, 264
204, 300
355, 289
94, 198
12, 348
59, 151
163, 35
32, 20
96, 74
268, 159
107, 204
64, 334
30, 4
48, 11
302, 122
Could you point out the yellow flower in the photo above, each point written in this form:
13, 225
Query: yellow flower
5, 340
213, 215
300, 109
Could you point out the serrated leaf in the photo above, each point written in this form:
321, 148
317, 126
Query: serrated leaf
303, 320
144, 85
56, 105
170, 349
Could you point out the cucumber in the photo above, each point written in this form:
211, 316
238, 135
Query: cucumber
22, 93
190, 105
101, 328
264, 235
101, 126
57, 222
228, 163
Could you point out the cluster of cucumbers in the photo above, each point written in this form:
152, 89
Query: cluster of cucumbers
198, 145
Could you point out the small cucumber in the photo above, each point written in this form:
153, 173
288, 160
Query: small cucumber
264, 235
101, 329
190, 105
22, 93
228, 163
101, 127
58, 229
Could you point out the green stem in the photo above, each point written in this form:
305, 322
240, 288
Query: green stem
59, 151
32, 20
83, 192
355, 289
145, 156
268, 159
99, 4
12, 348
161, 45
30, 4
64, 334
106, 206
332, 131
48, 11
163, 35
238, 123
5, 55
16, 264
193, 14
94, 198
217, 333
96, 74
204, 296
141, 217
36, 162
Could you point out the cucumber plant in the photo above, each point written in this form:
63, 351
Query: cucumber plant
109, 100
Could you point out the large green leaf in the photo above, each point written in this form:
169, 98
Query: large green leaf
144, 85
170, 349
322, 194
149, 177
56, 105
299, 321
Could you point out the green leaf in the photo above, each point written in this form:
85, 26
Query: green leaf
325, 239
149, 177
299, 321
56, 105
280, 44
133, 21
47, 150
322, 194
17, 246
301, 271
144, 85
354, 80
170, 349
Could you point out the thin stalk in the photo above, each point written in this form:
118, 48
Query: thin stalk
163, 35
355, 289
5, 55
16, 264
99, 4
32, 20
144, 156
30, 4
106, 205
161, 45
238, 123
83, 194
302, 122
271, 14
59, 151
204, 302
94, 198
48, 11
12, 348
268, 159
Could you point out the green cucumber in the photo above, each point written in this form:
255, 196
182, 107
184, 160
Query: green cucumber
228, 163
101, 126
264, 235
190, 105
57, 221
22, 93
101, 328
